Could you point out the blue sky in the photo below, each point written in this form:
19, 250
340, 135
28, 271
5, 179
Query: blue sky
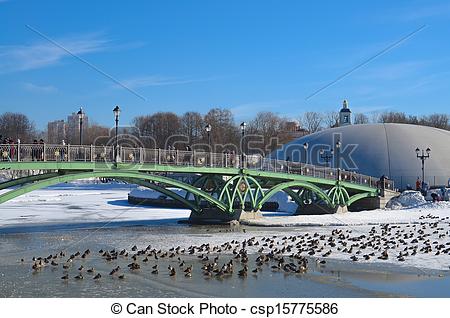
247, 56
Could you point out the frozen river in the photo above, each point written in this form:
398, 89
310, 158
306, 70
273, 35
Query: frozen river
77, 217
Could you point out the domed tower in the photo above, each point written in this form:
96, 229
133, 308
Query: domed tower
345, 115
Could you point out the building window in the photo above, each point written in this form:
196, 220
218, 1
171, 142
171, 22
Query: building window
346, 119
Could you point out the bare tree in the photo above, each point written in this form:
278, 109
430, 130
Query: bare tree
266, 126
94, 132
394, 117
223, 129
360, 118
374, 117
331, 119
312, 121
160, 126
192, 126
17, 126
436, 120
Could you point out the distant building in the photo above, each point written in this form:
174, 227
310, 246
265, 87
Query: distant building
345, 115
73, 128
293, 130
56, 131
379, 149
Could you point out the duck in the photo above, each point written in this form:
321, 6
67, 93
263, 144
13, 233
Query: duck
98, 276
243, 272
79, 276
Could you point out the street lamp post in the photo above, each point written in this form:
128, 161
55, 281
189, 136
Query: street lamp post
327, 156
80, 121
306, 146
208, 131
422, 156
116, 112
338, 159
243, 124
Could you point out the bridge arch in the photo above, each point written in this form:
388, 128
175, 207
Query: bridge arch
26, 179
360, 196
164, 191
112, 174
285, 185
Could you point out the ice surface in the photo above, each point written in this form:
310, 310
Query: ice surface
103, 203
80, 202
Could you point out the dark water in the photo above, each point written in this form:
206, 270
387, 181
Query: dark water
335, 279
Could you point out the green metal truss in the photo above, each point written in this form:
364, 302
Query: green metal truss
27, 179
339, 196
223, 188
294, 184
240, 189
110, 174
209, 183
165, 191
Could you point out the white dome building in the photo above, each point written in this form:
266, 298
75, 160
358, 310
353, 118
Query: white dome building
376, 150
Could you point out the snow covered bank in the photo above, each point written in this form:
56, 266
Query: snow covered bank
408, 199
409, 207
441, 209
79, 203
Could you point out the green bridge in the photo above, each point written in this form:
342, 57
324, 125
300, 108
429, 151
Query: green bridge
225, 183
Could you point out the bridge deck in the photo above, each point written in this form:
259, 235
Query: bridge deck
89, 157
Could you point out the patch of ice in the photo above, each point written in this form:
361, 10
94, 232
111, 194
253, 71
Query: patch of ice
145, 193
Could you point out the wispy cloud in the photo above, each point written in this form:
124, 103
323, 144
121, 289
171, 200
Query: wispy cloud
428, 11
393, 71
39, 88
41, 54
367, 61
157, 80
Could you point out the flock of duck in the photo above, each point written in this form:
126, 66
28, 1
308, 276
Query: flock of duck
288, 254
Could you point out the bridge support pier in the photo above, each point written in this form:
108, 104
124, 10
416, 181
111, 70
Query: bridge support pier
318, 209
217, 216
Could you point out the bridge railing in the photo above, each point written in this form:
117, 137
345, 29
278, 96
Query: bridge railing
83, 153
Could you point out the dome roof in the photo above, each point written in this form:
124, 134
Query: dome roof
378, 149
